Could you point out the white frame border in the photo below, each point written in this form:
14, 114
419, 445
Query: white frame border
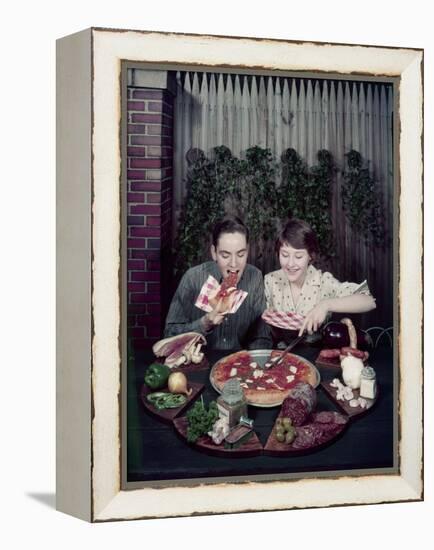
109, 47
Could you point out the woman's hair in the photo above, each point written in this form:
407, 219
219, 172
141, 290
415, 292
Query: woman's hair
229, 224
298, 234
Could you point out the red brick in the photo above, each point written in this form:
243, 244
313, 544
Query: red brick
153, 151
135, 220
142, 298
145, 276
146, 254
145, 163
145, 231
137, 287
137, 265
136, 332
145, 186
152, 130
152, 265
136, 129
147, 94
155, 106
136, 106
136, 309
153, 221
153, 329
167, 140
144, 343
154, 244
145, 209
153, 198
145, 140
146, 118
152, 287
136, 243
167, 152
136, 151
136, 174
154, 308
136, 197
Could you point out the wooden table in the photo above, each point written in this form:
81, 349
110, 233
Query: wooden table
156, 452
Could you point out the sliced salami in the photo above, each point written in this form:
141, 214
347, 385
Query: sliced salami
295, 409
308, 436
329, 417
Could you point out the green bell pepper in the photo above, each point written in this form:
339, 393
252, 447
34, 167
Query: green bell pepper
156, 376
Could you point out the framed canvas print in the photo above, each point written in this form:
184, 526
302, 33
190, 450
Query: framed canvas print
217, 198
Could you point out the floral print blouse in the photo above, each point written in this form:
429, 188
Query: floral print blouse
317, 286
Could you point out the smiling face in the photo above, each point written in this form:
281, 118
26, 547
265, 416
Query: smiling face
231, 254
294, 262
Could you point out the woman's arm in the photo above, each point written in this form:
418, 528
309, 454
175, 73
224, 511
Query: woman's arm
356, 303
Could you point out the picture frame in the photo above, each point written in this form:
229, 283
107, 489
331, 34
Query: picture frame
90, 340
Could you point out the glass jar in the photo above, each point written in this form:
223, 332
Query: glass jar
232, 404
368, 383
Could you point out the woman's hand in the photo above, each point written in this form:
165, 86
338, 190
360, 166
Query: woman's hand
315, 318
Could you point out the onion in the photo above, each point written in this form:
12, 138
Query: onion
177, 383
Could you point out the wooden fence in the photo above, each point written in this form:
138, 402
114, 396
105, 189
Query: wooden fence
241, 111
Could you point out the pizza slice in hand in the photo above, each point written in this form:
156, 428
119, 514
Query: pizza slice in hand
226, 293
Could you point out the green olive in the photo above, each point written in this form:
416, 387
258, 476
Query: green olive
280, 436
290, 435
278, 422
286, 423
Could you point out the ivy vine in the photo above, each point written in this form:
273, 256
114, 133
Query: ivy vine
224, 184
361, 200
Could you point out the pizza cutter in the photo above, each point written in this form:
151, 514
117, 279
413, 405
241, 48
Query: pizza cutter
278, 359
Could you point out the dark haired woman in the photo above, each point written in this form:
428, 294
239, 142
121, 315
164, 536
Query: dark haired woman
244, 328
299, 287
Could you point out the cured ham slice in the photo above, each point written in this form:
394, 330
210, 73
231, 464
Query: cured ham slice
179, 349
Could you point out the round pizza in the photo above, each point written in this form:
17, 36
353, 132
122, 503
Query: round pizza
263, 387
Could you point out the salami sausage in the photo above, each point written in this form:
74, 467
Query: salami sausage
330, 353
295, 409
355, 353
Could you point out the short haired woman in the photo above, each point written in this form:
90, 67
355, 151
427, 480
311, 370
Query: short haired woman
301, 288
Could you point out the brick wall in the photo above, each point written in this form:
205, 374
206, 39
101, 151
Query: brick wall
149, 180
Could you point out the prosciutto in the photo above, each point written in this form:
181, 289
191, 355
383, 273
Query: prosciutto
180, 349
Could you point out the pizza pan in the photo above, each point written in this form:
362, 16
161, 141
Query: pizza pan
261, 356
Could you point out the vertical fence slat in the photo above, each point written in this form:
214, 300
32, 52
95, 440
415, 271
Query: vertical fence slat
254, 113
220, 110
277, 120
212, 139
293, 106
245, 118
285, 116
228, 127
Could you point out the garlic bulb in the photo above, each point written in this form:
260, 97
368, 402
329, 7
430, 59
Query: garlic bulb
351, 371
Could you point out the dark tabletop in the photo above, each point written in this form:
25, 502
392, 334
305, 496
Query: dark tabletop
156, 452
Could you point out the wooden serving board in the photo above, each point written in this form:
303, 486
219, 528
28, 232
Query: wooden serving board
252, 447
276, 448
167, 415
345, 405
